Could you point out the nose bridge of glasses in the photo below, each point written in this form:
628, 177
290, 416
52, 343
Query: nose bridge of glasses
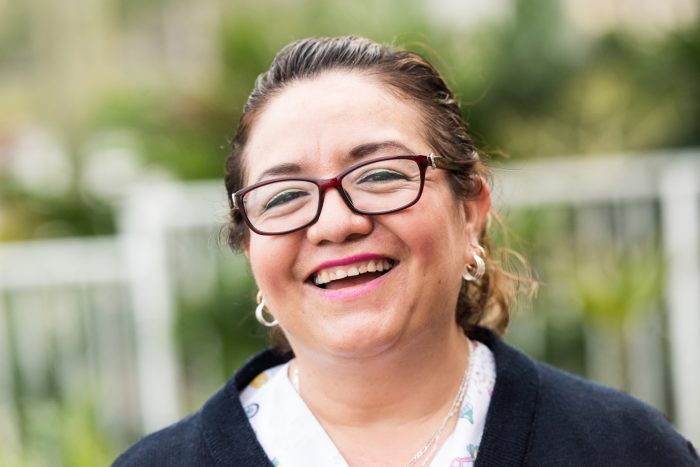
335, 182
327, 183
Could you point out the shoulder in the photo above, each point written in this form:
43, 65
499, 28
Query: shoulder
594, 422
551, 417
585, 399
217, 434
180, 444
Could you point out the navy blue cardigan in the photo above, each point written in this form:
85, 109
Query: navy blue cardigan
538, 416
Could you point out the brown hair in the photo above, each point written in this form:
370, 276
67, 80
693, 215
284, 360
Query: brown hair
484, 302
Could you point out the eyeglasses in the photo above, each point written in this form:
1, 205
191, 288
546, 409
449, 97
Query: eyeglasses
377, 186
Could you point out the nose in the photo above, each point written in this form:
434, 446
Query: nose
337, 222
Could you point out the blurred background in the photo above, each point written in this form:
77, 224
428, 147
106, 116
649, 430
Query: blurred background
121, 311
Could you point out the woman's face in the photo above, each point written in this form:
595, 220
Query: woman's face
317, 128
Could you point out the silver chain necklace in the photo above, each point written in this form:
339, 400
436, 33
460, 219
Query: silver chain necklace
432, 443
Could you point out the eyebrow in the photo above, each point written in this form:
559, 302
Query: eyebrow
358, 152
370, 148
280, 170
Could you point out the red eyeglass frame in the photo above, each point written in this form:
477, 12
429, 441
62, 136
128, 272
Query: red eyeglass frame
423, 162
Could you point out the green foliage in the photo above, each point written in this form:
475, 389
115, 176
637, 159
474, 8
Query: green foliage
15, 37
39, 215
61, 434
185, 134
548, 326
612, 286
216, 331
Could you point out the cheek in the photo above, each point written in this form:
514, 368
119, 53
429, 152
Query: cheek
269, 260
441, 245
432, 242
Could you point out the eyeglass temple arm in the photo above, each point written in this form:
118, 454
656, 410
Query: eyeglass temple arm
439, 162
434, 160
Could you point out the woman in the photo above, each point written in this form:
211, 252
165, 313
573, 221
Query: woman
360, 202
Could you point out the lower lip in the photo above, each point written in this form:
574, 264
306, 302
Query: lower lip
348, 293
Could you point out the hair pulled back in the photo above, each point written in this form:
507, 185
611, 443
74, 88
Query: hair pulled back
484, 302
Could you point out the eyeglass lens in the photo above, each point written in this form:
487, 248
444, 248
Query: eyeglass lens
374, 188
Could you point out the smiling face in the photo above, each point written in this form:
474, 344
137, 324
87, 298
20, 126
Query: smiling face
350, 284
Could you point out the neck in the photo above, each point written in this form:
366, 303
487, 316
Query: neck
399, 387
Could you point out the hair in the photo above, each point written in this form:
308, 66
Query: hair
485, 302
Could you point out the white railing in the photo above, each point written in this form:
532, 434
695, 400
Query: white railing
672, 178
130, 283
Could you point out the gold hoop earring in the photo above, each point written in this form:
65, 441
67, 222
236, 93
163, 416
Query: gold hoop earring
261, 309
479, 266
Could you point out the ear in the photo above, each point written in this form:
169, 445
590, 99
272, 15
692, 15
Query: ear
475, 212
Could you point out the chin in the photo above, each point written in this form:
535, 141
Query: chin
362, 341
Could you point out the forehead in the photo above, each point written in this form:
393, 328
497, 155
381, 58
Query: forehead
315, 124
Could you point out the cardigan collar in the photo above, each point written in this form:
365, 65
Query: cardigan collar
513, 403
232, 442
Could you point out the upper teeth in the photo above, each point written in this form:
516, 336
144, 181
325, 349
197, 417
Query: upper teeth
341, 272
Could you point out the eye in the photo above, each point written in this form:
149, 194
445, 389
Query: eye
284, 198
381, 175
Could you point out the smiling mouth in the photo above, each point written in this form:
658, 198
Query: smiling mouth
361, 272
